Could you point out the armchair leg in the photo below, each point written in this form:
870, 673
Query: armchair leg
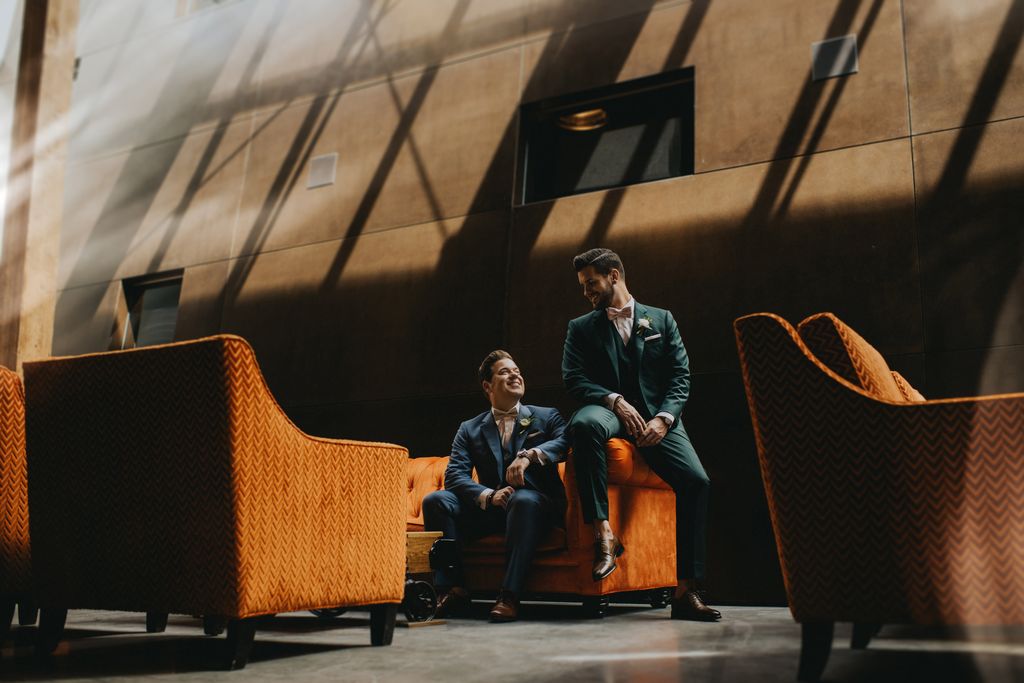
862, 634
382, 623
156, 622
815, 647
213, 625
27, 613
6, 616
241, 633
50, 631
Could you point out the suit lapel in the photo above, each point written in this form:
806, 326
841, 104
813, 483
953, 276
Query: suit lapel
606, 332
490, 432
519, 432
638, 337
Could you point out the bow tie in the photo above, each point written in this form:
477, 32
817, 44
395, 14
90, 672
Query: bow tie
626, 312
502, 414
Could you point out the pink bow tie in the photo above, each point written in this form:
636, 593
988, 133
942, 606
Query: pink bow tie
625, 312
502, 414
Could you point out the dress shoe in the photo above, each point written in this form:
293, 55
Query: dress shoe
506, 608
605, 552
455, 600
690, 606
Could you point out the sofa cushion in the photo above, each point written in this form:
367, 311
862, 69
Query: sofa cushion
846, 353
910, 394
423, 476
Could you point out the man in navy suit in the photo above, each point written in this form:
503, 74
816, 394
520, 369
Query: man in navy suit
626, 363
515, 449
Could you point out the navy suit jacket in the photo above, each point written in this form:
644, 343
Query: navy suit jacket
477, 444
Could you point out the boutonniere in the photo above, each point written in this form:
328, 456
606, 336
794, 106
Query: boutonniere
526, 422
643, 325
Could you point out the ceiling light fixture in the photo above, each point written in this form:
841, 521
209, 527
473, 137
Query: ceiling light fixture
589, 119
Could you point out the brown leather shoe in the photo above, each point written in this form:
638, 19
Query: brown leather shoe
605, 552
506, 608
455, 600
691, 607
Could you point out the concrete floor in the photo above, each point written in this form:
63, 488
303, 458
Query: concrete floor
552, 643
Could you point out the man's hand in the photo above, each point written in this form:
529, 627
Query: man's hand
502, 496
654, 432
630, 418
516, 472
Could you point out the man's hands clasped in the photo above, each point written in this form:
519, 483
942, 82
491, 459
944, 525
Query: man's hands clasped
646, 433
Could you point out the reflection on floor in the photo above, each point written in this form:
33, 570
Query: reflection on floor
551, 643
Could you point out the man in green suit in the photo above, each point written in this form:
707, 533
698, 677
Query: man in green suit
627, 363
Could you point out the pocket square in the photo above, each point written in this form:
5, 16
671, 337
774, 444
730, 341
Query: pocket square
533, 434
652, 337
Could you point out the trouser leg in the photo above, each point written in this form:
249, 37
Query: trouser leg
591, 427
675, 461
529, 517
444, 512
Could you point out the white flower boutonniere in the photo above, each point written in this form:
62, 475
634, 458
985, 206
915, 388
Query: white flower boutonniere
643, 325
525, 424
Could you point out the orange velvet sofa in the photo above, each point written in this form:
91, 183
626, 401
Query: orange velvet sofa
167, 479
886, 508
641, 510
15, 559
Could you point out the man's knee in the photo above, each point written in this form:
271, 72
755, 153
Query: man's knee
525, 500
587, 424
440, 502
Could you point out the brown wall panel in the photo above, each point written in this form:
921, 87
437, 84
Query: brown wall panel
754, 97
409, 151
972, 246
976, 372
155, 208
84, 321
702, 248
397, 313
964, 61
201, 300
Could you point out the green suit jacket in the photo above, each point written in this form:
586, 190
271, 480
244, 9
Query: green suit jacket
590, 362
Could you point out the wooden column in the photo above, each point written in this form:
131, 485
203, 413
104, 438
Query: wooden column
35, 182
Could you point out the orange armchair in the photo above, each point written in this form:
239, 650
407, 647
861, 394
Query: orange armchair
15, 561
167, 479
642, 506
886, 508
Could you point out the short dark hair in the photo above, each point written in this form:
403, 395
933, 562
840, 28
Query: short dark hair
602, 259
486, 371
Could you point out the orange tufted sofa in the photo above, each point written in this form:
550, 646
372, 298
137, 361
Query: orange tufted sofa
642, 510
167, 479
886, 508
15, 561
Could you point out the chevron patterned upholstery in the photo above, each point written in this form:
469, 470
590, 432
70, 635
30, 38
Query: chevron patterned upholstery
168, 479
15, 562
642, 504
884, 512
847, 354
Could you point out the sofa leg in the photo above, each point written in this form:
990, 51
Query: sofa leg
815, 647
6, 616
595, 606
214, 626
661, 597
156, 622
27, 613
382, 623
241, 633
50, 631
862, 634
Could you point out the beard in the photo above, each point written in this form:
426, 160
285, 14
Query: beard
604, 300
